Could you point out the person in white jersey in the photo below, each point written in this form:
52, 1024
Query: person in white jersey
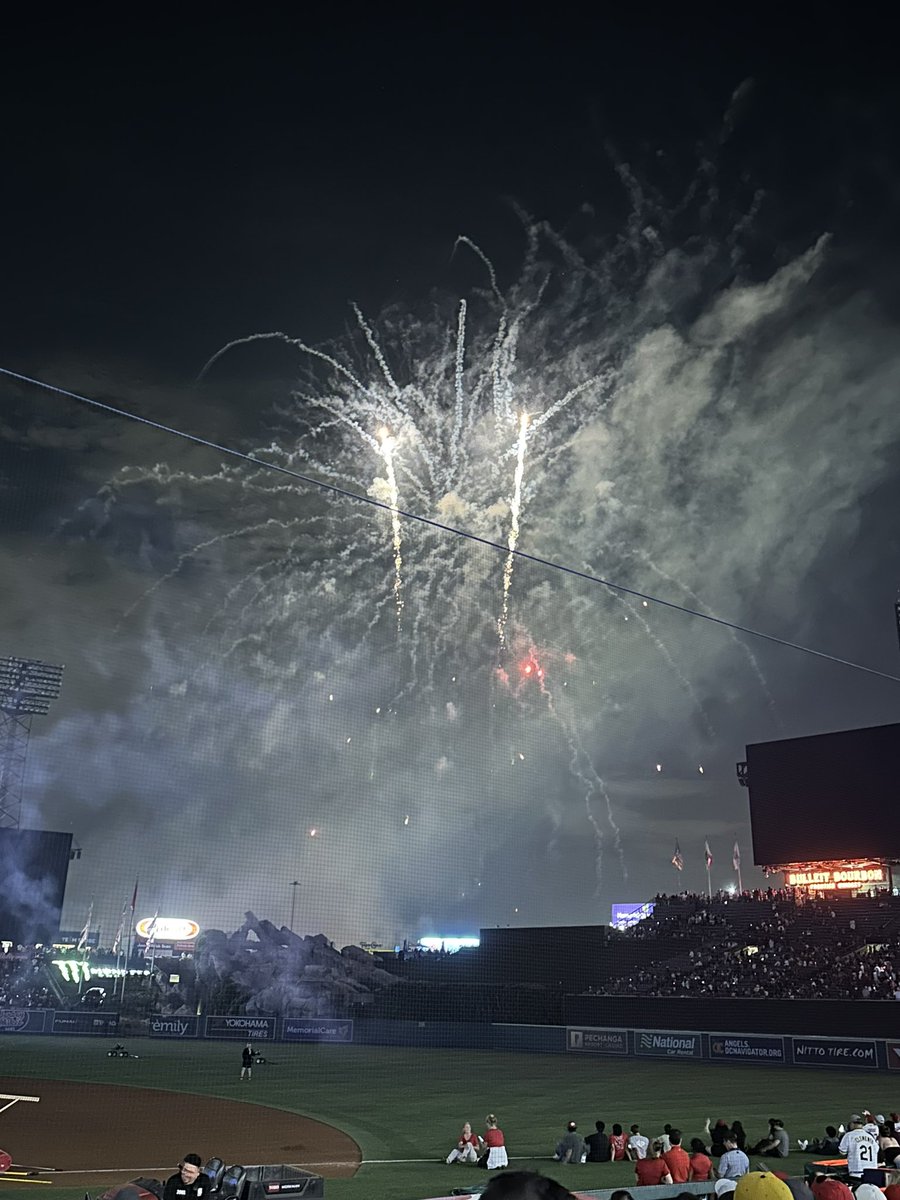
861, 1150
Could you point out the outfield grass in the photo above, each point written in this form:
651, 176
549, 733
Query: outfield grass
409, 1104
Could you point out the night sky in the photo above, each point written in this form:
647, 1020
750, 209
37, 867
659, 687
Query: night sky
682, 264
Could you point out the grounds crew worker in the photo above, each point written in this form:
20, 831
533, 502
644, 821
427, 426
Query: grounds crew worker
190, 1183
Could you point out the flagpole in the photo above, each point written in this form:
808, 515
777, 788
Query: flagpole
736, 863
708, 882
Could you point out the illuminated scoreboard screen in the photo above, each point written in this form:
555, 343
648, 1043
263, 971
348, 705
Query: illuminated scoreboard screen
626, 915
829, 799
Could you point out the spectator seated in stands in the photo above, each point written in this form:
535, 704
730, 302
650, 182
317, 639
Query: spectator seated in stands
887, 1141
653, 1169
734, 1163
570, 1148
677, 1158
526, 1185
701, 1163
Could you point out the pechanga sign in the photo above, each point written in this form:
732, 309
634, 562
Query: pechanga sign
834, 1052
305, 1029
597, 1041
173, 1027
248, 1029
749, 1047
662, 1043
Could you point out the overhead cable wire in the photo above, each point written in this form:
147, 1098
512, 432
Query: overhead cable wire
347, 494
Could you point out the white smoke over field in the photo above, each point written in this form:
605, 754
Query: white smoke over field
470, 735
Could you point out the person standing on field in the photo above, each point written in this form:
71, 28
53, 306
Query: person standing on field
247, 1062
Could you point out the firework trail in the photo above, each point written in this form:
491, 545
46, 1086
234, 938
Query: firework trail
515, 510
745, 649
582, 769
387, 450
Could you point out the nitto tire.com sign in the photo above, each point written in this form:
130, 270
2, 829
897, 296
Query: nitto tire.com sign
834, 1052
661, 1043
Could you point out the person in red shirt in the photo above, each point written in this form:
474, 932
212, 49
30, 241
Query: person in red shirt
677, 1159
496, 1145
617, 1142
653, 1168
467, 1148
701, 1163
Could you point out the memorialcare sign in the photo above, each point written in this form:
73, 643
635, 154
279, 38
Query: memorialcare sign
173, 1027
597, 1041
746, 1047
661, 1043
248, 1029
834, 1052
298, 1029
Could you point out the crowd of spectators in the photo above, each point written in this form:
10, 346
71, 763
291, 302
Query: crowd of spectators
20, 982
765, 945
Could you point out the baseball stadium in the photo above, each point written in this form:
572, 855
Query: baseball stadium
449, 476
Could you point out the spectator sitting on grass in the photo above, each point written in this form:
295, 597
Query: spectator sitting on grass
570, 1148
598, 1144
467, 1148
617, 1142
638, 1145
776, 1143
829, 1144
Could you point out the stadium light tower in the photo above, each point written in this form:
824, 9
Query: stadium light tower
27, 689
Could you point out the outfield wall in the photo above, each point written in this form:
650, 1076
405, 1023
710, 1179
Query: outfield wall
580, 1040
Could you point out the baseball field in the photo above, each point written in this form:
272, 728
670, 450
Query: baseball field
377, 1122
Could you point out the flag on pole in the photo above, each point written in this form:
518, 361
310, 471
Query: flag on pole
120, 932
678, 858
134, 897
82, 941
151, 932
736, 857
707, 853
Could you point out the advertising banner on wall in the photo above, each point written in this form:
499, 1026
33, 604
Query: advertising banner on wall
587, 1040
893, 1055
104, 1024
22, 1020
834, 1052
306, 1029
246, 1029
746, 1047
173, 1027
667, 1043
